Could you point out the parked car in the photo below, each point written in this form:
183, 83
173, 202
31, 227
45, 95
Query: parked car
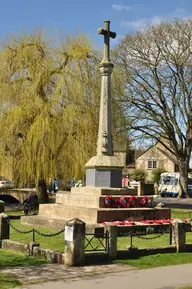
169, 185
5, 183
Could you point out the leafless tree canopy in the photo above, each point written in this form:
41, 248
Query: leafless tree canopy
156, 78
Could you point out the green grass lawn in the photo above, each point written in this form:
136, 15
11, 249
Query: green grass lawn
7, 282
55, 243
158, 260
10, 259
181, 213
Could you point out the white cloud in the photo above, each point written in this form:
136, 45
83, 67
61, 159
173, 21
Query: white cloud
142, 23
156, 20
179, 12
139, 24
119, 8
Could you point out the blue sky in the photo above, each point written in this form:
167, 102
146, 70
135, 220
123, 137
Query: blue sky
69, 16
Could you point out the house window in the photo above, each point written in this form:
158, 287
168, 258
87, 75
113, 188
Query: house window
152, 164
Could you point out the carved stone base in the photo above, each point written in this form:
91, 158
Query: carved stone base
103, 178
104, 171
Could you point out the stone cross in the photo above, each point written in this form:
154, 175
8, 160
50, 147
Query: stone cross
104, 141
105, 169
107, 34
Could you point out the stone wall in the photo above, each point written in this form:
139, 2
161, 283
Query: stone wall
18, 194
32, 249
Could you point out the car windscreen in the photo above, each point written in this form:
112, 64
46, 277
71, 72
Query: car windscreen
169, 180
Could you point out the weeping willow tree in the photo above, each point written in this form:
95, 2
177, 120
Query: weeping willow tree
49, 107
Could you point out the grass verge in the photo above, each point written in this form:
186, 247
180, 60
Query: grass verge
7, 281
11, 259
158, 260
55, 243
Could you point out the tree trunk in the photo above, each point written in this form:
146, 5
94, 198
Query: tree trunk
42, 191
183, 181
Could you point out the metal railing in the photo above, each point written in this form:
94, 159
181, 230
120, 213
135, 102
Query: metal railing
147, 234
97, 242
33, 231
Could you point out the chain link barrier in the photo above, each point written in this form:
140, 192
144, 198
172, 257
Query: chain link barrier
151, 238
49, 235
17, 230
141, 235
33, 231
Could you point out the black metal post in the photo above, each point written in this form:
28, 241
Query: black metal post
131, 240
170, 235
33, 235
107, 241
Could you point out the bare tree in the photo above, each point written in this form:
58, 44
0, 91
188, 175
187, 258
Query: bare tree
156, 88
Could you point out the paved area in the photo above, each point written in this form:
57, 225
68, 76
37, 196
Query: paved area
175, 203
103, 276
55, 272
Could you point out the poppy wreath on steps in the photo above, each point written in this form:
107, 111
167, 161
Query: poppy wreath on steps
133, 202
117, 203
124, 202
144, 202
109, 202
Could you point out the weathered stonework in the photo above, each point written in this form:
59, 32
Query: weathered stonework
179, 235
74, 243
104, 169
47, 254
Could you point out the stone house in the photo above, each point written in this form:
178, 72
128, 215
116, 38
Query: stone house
155, 157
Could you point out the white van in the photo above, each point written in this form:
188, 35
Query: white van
169, 184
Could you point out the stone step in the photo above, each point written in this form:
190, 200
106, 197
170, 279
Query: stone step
89, 201
93, 215
57, 223
103, 191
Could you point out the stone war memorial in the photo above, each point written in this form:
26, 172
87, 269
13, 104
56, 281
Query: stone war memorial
102, 199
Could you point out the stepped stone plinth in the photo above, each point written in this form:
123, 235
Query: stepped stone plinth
87, 204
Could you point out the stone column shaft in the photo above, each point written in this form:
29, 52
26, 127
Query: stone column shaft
104, 143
